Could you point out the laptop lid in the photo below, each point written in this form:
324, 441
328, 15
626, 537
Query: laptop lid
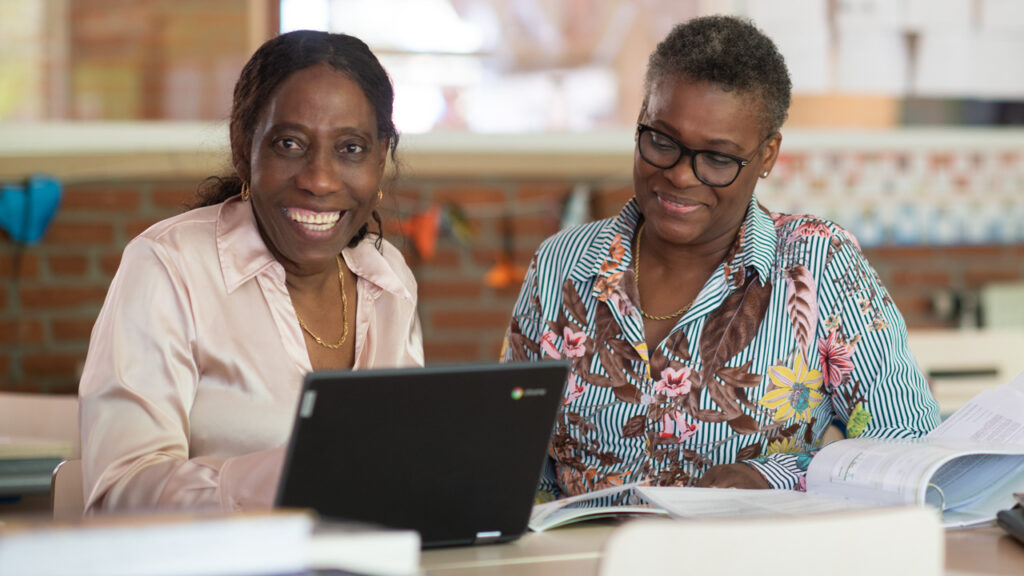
454, 452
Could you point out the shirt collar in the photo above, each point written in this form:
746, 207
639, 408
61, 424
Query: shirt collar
592, 262
243, 254
368, 263
757, 243
241, 249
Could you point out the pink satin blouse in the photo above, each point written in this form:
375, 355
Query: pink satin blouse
196, 361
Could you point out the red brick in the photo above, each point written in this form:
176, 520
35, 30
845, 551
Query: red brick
978, 278
450, 289
908, 253
68, 265
176, 198
53, 364
929, 322
609, 201
472, 195
50, 297
488, 257
392, 229
64, 330
492, 349
94, 198
404, 198
21, 331
133, 228
80, 233
974, 251
530, 192
109, 263
540, 226
27, 268
465, 351
446, 257
455, 319
928, 277
913, 305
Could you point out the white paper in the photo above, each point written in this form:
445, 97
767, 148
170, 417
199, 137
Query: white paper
970, 481
719, 503
577, 508
995, 415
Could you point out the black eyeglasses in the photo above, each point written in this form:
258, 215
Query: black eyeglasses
660, 150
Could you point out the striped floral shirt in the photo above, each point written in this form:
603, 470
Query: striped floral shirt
791, 332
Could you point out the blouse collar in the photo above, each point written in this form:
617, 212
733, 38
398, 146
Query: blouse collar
757, 244
243, 254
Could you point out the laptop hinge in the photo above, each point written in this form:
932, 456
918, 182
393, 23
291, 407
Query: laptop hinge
487, 537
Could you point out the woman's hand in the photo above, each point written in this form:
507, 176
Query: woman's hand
733, 476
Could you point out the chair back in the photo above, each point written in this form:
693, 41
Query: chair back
66, 491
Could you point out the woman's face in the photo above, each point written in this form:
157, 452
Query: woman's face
679, 208
316, 165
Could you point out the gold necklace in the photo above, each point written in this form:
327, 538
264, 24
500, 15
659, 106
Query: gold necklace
344, 315
636, 279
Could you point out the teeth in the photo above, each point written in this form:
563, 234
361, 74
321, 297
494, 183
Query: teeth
314, 220
673, 202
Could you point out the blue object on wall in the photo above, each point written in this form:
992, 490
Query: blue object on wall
26, 210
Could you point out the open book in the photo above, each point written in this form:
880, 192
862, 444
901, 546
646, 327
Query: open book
628, 502
968, 467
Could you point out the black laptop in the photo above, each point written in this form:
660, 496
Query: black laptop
454, 452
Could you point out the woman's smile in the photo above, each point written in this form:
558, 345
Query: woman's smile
678, 206
312, 223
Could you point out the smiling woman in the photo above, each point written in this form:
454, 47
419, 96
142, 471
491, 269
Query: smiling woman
214, 317
725, 357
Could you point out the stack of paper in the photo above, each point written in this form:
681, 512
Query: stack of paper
268, 543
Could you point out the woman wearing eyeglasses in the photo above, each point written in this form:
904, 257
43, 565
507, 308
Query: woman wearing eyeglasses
712, 341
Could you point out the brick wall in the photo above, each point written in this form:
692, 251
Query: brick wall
50, 298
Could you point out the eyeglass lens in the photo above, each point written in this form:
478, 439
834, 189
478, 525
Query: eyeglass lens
710, 168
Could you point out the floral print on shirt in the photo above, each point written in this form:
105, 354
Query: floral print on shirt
791, 332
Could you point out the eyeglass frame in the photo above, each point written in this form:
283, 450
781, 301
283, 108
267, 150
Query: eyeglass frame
685, 151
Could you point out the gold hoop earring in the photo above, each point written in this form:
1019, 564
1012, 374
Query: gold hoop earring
245, 192
380, 195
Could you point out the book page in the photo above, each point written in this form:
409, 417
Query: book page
973, 477
877, 471
970, 481
685, 502
983, 510
589, 506
995, 416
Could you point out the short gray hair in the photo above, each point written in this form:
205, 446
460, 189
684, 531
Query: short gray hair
730, 52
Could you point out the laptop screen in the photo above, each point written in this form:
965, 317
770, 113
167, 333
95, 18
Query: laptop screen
454, 452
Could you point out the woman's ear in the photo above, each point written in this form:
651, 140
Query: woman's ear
382, 161
242, 168
771, 153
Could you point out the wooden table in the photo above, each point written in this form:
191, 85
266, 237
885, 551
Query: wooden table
576, 551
